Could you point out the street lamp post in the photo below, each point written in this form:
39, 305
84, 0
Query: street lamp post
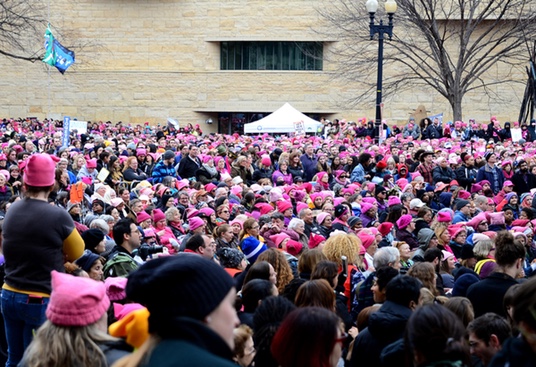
381, 30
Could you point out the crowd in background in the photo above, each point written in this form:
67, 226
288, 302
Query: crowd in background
155, 246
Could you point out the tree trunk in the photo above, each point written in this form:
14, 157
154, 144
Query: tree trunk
456, 105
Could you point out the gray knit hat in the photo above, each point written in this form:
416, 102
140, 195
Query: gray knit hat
230, 257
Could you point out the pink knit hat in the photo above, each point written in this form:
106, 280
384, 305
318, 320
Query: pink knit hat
116, 288
92, 163
393, 200
158, 215
266, 161
315, 240
278, 238
283, 206
321, 217
76, 301
142, 217
195, 223
40, 170
365, 207
366, 239
403, 221
444, 217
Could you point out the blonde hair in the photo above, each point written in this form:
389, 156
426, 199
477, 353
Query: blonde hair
141, 355
342, 245
55, 345
128, 162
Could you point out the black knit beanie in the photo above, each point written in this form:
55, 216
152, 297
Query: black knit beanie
185, 285
92, 237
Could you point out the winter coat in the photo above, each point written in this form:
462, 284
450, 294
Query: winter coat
202, 175
486, 173
466, 176
445, 175
514, 352
487, 295
189, 343
385, 327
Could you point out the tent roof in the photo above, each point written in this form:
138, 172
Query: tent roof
282, 121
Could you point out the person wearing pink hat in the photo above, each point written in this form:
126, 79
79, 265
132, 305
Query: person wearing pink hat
164, 232
368, 241
37, 238
76, 316
285, 208
89, 170
325, 222
368, 214
405, 226
207, 172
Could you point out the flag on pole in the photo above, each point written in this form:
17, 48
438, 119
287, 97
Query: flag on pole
55, 54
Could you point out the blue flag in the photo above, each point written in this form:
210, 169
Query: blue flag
57, 55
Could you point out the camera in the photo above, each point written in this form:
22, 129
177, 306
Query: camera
145, 250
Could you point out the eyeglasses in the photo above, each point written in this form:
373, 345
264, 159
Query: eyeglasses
343, 176
492, 249
224, 211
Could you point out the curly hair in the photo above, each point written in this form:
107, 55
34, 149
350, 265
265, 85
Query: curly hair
281, 267
343, 245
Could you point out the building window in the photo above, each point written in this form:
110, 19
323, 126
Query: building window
271, 55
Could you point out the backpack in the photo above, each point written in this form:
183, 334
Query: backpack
119, 265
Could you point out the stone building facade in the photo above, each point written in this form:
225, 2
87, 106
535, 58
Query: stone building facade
147, 60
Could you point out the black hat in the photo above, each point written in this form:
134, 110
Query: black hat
168, 155
98, 201
379, 189
92, 237
467, 252
461, 203
424, 154
178, 286
340, 210
87, 260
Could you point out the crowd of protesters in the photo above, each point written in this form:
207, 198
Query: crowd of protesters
154, 246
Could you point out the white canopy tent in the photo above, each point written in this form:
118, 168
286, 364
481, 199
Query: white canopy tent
286, 119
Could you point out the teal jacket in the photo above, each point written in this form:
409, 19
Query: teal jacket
189, 343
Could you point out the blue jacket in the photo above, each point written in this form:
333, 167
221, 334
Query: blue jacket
486, 173
309, 166
160, 171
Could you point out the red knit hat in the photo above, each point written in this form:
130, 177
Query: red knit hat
76, 301
315, 240
40, 170
294, 247
385, 228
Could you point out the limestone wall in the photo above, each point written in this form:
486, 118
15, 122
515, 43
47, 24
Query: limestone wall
152, 59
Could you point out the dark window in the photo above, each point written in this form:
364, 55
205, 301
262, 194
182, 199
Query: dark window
271, 55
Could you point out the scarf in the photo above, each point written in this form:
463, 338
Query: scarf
211, 170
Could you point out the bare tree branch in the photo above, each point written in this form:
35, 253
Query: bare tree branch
451, 46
